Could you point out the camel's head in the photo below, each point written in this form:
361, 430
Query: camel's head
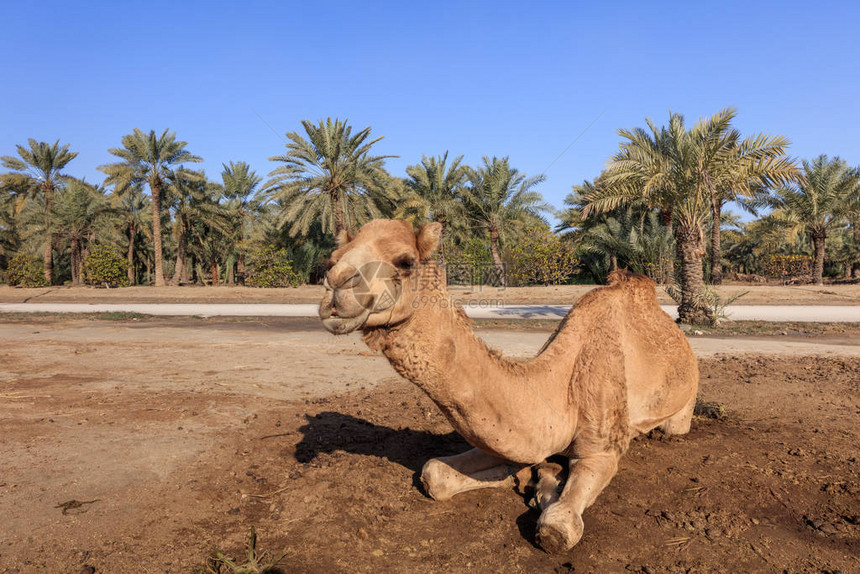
374, 276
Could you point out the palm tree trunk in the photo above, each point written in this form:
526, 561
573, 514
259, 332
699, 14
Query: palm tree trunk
667, 215
48, 189
855, 235
819, 241
339, 216
76, 260
716, 248
613, 262
179, 273
240, 256
497, 258
155, 187
131, 233
214, 274
84, 252
443, 240
240, 269
690, 246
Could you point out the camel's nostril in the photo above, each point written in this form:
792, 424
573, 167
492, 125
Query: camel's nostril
343, 280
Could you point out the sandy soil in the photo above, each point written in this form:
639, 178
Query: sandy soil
169, 438
559, 295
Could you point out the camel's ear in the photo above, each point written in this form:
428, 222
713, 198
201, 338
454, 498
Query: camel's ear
343, 237
428, 238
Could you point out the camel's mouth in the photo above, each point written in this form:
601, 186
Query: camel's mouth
335, 322
344, 325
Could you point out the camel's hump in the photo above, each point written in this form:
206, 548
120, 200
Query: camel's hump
634, 280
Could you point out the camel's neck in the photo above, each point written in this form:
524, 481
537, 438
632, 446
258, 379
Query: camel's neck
487, 398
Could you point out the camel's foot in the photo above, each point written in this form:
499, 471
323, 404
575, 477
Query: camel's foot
444, 477
548, 484
559, 529
437, 478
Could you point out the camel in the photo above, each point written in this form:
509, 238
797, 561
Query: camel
617, 365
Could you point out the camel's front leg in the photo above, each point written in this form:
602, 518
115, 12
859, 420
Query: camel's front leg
446, 476
560, 526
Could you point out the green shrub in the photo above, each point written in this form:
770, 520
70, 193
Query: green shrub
104, 267
270, 267
26, 271
541, 258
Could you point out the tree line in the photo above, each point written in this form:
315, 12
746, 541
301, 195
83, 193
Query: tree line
657, 208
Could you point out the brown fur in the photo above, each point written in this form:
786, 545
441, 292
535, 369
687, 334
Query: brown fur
616, 366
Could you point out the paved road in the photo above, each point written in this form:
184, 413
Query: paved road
801, 313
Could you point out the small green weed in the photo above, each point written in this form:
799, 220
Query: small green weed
711, 299
714, 411
118, 316
256, 563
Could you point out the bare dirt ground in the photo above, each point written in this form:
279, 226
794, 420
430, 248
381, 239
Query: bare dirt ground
553, 295
142, 445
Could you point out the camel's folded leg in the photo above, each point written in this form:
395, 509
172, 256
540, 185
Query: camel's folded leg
679, 423
560, 526
446, 476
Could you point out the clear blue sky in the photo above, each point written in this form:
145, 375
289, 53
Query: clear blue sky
521, 79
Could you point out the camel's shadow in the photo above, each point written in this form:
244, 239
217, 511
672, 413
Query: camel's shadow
329, 431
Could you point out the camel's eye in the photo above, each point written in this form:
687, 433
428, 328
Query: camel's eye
405, 262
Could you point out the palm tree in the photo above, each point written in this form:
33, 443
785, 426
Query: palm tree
635, 241
433, 194
500, 201
155, 160
819, 201
133, 211
77, 211
664, 168
596, 255
193, 199
682, 171
612, 238
240, 186
854, 237
13, 198
433, 191
733, 169
209, 227
330, 177
630, 236
572, 217
44, 163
